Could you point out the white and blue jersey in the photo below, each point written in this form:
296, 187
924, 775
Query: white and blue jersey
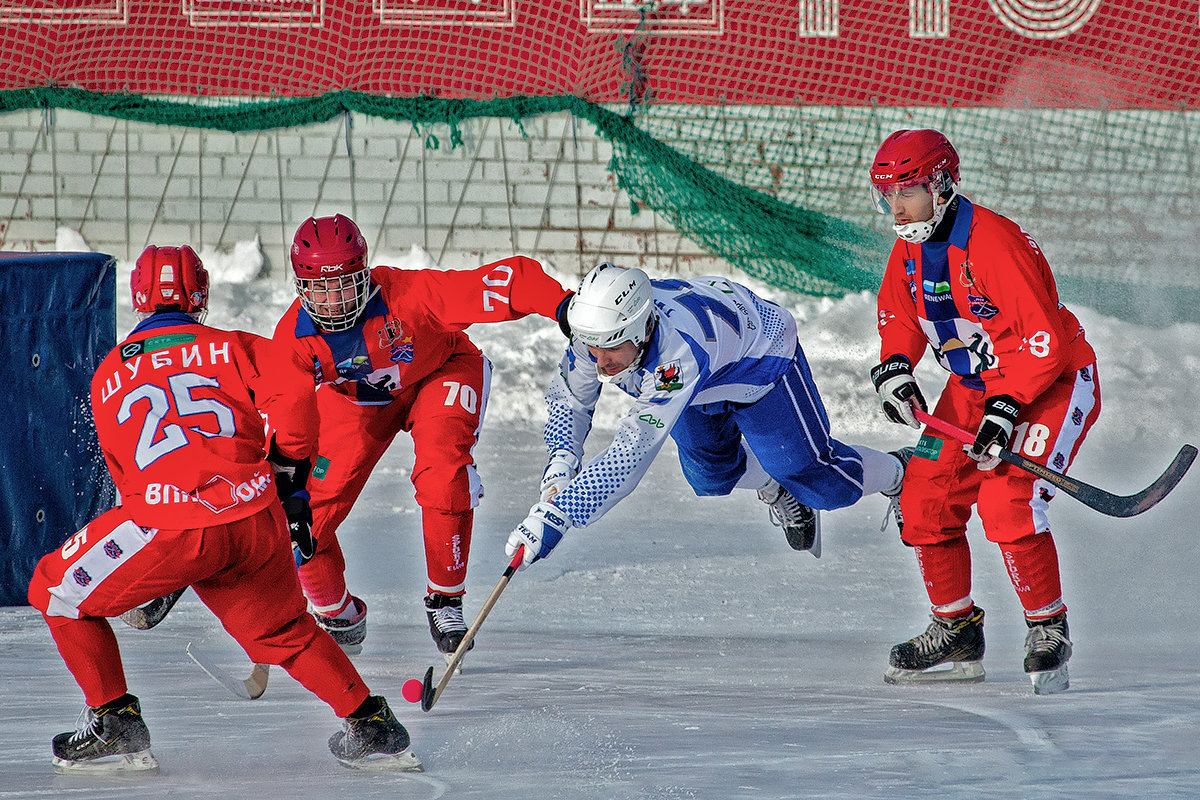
722, 371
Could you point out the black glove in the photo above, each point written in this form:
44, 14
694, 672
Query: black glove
291, 478
898, 390
561, 315
999, 416
299, 518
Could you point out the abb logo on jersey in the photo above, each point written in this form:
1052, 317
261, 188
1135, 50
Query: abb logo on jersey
219, 494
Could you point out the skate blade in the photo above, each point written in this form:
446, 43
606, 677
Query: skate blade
449, 659
959, 672
142, 762
386, 762
1050, 681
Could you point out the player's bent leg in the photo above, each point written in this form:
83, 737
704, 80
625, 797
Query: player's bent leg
445, 430
258, 600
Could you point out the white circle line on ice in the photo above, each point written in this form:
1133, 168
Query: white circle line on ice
1044, 20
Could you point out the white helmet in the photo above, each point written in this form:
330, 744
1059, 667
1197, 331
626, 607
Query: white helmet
614, 305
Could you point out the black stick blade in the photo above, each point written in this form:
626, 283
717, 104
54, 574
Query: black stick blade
427, 692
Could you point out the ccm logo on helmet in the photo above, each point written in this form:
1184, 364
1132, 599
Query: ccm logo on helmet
625, 293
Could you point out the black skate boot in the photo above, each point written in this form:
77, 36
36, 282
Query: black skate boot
146, 616
372, 739
446, 624
1047, 649
111, 738
957, 640
904, 455
349, 631
801, 524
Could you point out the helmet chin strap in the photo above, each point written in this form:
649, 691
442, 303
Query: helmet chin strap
625, 373
917, 232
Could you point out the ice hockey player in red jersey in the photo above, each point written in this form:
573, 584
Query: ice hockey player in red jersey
387, 351
976, 289
209, 499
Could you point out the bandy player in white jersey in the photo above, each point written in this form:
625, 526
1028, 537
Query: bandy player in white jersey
719, 370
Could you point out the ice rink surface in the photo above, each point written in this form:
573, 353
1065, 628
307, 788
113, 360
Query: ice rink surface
678, 648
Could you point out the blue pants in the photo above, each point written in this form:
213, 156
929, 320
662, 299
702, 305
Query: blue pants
787, 430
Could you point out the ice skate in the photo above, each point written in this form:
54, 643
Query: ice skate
112, 738
1047, 649
375, 741
955, 641
145, 617
446, 624
347, 629
801, 524
904, 455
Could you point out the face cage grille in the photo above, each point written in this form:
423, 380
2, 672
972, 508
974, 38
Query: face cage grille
356, 283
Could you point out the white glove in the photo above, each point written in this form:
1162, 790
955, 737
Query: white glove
539, 533
562, 468
995, 430
898, 390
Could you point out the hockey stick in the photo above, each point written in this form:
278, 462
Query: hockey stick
429, 693
250, 688
1105, 502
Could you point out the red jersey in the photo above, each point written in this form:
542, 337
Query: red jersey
412, 324
985, 301
177, 410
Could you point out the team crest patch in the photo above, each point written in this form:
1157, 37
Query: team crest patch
668, 377
981, 307
81, 577
392, 339
113, 550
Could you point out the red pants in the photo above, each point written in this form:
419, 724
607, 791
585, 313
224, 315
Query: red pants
243, 571
443, 413
942, 484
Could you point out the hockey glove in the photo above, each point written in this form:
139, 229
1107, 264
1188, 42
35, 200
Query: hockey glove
540, 532
995, 430
560, 314
299, 518
898, 390
562, 468
291, 478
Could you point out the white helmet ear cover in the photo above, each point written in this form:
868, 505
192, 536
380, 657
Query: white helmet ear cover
613, 305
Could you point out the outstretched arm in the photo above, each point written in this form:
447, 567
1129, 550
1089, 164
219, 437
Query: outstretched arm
508, 289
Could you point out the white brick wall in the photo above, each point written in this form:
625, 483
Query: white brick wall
1106, 194
125, 184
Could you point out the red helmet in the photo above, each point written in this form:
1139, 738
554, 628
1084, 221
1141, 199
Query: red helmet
169, 278
908, 162
329, 257
907, 158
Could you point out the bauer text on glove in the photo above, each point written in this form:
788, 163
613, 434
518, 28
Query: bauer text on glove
898, 390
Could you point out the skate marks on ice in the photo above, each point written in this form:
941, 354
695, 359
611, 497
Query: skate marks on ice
1026, 730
